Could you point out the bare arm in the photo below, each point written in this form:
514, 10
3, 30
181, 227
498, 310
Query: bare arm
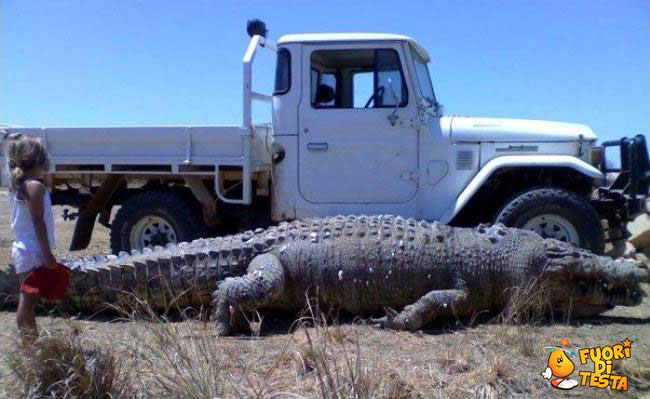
35, 191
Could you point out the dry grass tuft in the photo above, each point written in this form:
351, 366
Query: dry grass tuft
499, 369
522, 316
57, 365
177, 362
638, 371
528, 304
334, 358
485, 391
527, 338
188, 360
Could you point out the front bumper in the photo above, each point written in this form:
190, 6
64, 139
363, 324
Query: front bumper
626, 196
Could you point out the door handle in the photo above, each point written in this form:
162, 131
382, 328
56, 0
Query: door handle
392, 118
317, 146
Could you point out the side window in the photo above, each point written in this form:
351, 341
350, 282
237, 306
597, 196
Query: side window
359, 78
424, 79
389, 78
282, 72
362, 88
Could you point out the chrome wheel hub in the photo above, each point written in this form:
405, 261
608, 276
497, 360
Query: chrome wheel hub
151, 231
553, 226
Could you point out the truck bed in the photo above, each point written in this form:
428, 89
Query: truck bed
153, 150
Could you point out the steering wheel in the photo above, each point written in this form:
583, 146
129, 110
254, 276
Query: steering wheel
375, 96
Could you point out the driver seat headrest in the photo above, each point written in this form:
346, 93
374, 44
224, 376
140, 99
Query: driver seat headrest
324, 94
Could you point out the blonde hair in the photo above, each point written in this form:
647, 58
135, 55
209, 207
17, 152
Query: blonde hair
24, 153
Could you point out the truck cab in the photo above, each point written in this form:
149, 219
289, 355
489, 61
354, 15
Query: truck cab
356, 129
363, 132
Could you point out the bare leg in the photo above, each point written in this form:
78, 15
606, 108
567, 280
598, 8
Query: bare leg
26, 314
263, 284
425, 310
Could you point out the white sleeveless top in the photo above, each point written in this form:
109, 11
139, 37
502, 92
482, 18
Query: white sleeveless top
23, 227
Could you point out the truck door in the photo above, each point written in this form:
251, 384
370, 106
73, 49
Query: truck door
358, 138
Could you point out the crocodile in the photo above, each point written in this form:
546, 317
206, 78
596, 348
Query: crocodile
360, 264
363, 264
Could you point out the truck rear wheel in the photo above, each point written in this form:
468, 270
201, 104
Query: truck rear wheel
155, 217
556, 213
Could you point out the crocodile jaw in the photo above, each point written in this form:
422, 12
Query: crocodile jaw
590, 283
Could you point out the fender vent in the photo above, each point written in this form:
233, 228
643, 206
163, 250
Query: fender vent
464, 160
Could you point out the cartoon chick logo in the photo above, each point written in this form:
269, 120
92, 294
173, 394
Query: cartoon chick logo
560, 367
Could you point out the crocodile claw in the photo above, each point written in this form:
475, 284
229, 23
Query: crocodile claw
390, 313
386, 321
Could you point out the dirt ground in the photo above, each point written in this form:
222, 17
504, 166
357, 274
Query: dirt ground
449, 361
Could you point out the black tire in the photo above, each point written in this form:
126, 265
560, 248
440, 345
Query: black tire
182, 214
568, 205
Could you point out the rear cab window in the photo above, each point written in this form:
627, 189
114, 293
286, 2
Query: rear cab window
282, 72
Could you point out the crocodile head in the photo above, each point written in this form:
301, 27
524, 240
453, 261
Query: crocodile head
590, 284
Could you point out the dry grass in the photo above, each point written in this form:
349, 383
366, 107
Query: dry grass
336, 359
187, 360
528, 308
151, 357
59, 365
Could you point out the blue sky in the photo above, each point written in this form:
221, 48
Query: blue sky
75, 63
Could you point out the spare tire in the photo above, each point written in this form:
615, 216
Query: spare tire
556, 213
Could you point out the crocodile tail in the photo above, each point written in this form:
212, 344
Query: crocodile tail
162, 280
174, 277
177, 276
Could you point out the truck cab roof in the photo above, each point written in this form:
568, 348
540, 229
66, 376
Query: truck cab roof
352, 37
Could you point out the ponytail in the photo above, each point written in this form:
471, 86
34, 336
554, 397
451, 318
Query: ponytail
17, 176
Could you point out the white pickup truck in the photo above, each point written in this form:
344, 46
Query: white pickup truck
356, 128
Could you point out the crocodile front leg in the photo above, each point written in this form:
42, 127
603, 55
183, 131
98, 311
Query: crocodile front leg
263, 284
432, 305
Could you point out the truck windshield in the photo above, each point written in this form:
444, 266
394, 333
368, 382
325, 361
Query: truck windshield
424, 80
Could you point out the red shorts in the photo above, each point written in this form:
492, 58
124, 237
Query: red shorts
50, 284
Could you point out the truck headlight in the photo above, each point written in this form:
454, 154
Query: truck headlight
597, 155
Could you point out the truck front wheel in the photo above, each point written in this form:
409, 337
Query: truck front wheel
155, 217
556, 213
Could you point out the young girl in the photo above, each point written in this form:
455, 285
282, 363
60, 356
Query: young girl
31, 219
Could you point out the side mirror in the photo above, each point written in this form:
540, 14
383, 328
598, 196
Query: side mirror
426, 102
439, 109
